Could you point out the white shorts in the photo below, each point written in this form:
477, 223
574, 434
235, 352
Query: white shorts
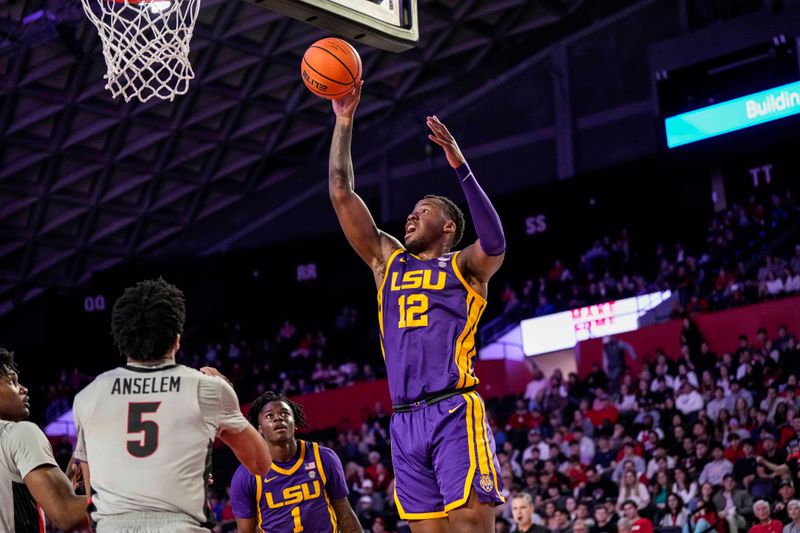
149, 523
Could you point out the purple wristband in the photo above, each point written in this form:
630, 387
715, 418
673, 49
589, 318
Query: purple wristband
487, 222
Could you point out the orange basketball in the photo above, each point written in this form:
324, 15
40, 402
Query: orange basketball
331, 68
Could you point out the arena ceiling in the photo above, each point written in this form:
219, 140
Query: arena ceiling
87, 182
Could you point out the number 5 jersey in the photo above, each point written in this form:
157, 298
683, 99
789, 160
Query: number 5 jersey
147, 432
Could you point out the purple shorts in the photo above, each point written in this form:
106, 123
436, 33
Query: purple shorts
441, 452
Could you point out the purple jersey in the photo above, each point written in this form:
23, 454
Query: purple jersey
293, 496
428, 317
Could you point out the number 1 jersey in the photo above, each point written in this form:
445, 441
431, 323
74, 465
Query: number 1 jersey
147, 432
428, 317
294, 496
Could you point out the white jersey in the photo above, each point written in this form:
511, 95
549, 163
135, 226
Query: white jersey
23, 448
147, 432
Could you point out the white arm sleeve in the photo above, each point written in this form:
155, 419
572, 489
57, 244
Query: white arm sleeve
220, 406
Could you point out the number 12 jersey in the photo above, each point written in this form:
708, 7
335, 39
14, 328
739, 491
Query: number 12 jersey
428, 316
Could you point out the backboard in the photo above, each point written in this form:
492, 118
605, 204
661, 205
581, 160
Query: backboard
390, 25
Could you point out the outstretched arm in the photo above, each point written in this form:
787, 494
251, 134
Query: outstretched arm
371, 244
480, 260
777, 470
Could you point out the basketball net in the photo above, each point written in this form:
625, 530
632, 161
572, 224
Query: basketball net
145, 45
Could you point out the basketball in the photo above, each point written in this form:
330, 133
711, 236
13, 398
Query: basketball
331, 67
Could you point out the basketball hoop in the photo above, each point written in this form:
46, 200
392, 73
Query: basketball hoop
145, 45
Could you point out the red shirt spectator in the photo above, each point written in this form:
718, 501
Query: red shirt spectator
643, 525
637, 450
554, 274
723, 279
606, 413
734, 452
521, 418
771, 526
764, 522
379, 475
576, 473
227, 513
786, 434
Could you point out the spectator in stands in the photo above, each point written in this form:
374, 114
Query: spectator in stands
735, 450
597, 487
660, 490
614, 362
629, 456
716, 404
597, 378
771, 452
626, 404
563, 524
639, 524
605, 455
786, 495
676, 514
378, 473
684, 486
715, 470
783, 338
733, 504
605, 413
604, 522
585, 445
689, 401
580, 526
536, 388
701, 521
773, 286
793, 525
735, 393
632, 490
521, 419
764, 522
544, 308
367, 490
365, 513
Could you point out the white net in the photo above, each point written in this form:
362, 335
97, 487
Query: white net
145, 45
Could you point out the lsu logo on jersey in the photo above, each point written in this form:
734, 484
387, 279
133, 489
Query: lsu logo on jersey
416, 279
295, 494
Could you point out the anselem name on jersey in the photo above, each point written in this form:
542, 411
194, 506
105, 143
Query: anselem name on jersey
146, 385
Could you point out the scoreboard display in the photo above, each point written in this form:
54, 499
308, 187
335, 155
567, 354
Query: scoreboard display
390, 25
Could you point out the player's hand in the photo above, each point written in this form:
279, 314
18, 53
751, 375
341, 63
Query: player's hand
345, 107
74, 473
211, 371
444, 138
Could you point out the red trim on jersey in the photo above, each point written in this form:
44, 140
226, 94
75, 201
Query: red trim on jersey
89, 513
41, 518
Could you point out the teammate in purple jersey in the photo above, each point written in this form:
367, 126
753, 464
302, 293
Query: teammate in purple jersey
304, 491
429, 303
